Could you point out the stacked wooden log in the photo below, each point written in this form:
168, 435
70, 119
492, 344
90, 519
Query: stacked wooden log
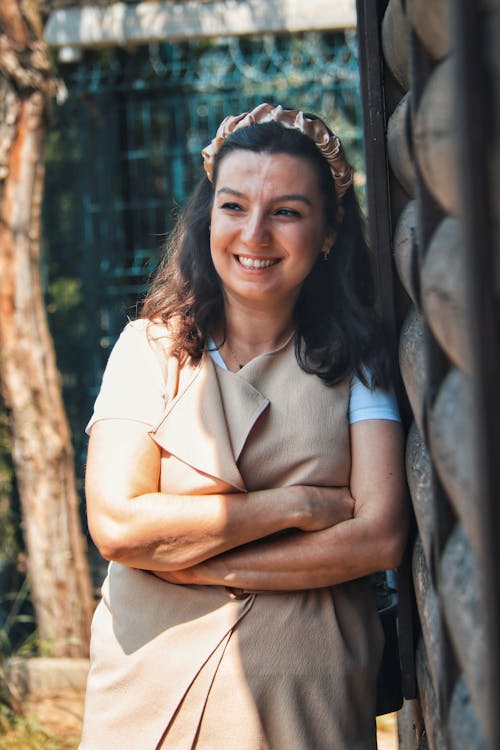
435, 363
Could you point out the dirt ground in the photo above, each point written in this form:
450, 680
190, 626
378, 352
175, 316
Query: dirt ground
387, 732
61, 715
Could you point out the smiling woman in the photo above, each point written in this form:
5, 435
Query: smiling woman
245, 466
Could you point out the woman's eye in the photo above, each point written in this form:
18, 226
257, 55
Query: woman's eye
287, 212
230, 206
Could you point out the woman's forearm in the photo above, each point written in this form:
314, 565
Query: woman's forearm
303, 560
167, 532
132, 523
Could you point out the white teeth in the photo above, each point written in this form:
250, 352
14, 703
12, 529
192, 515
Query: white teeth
255, 263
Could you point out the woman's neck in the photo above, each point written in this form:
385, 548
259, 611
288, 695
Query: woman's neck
250, 332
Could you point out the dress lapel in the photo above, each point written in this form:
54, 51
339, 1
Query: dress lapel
207, 423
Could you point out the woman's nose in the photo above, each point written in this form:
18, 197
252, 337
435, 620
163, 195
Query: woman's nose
255, 230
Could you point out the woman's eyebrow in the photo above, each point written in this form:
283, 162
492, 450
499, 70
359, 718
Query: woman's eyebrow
277, 199
230, 191
293, 197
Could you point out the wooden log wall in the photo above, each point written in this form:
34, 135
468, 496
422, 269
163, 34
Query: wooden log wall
434, 102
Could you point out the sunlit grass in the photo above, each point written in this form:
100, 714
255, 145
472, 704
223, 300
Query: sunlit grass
26, 733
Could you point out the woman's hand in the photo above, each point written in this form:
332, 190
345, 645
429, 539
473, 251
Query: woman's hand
323, 507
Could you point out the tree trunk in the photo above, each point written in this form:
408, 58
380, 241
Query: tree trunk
42, 451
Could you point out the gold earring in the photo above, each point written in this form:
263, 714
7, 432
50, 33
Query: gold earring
328, 244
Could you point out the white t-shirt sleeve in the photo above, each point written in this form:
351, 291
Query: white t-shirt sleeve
133, 385
367, 404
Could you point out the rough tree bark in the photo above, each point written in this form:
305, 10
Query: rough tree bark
42, 451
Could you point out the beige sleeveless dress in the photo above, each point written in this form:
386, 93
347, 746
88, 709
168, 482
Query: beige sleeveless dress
183, 667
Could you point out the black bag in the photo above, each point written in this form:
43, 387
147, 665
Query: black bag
389, 685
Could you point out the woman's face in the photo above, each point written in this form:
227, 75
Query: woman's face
267, 226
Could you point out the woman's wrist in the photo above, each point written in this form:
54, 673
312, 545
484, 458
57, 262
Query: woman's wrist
291, 505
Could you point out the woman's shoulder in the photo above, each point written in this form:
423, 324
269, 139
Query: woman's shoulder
145, 327
133, 383
144, 333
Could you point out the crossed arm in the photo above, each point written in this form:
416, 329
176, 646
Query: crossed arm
337, 533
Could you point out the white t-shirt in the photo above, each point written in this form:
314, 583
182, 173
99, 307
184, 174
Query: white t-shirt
133, 385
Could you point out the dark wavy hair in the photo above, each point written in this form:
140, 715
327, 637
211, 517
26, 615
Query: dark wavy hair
338, 332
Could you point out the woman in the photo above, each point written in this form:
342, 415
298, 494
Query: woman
245, 466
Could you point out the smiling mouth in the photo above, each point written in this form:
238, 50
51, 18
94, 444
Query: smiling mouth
254, 263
